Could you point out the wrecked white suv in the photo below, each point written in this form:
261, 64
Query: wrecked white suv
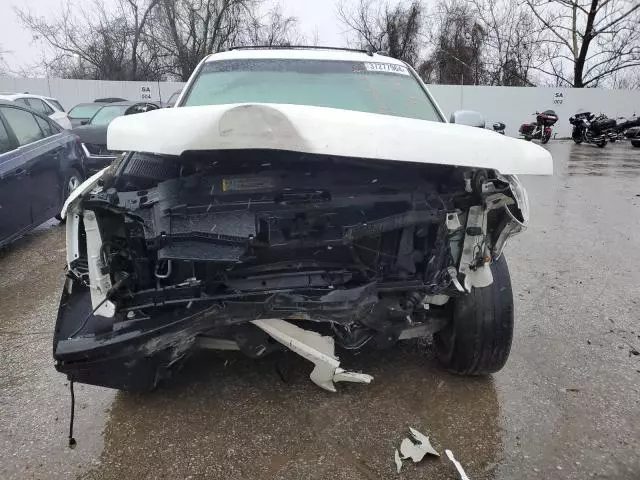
293, 198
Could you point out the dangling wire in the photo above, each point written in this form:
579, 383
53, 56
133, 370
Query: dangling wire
110, 293
84, 322
72, 441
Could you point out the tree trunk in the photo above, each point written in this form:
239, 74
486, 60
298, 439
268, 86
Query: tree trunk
578, 66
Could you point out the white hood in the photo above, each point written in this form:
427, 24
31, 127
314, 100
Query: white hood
327, 131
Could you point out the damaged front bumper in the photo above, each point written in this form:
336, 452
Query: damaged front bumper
133, 357
263, 262
134, 352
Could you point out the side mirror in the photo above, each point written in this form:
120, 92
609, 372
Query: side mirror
468, 117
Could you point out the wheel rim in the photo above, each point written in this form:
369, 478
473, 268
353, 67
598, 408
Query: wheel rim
74, 182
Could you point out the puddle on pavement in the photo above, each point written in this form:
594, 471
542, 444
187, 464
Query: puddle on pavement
34, 398
233, 417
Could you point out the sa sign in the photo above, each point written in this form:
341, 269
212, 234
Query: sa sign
558, 98
145, 93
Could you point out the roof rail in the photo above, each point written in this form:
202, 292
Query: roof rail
299, 47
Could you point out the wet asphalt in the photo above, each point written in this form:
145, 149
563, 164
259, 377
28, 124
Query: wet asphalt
567, 404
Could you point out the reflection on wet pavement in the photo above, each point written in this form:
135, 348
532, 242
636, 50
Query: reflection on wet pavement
565, 406
617, 159
243, 421
33, 396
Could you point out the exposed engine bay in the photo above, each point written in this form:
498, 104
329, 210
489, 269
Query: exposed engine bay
168, 251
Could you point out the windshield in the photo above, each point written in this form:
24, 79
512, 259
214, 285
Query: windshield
84, 111
372, 87
56, 104
106, 114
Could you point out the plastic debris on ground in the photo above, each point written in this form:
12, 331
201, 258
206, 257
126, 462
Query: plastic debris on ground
461, 472
414, 448
398, 460
417, 447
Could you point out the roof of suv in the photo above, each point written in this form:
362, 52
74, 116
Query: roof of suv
307, 53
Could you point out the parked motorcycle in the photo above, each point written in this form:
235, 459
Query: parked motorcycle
541, 128
587, 128
633, 133
499, 127
623, 125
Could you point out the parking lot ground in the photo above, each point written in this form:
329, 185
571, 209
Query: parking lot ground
567, 405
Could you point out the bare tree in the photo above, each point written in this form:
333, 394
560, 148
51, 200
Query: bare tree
511, 42
626, 80
188, 30
396, 30
458, 42
273, 29
151, 39
102, 44
597, 38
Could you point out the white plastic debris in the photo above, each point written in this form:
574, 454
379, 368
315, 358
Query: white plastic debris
398, 460
414, 449
423, 440
314, 347
461, 472
418, 449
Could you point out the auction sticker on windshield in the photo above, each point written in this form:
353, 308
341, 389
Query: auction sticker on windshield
386, 67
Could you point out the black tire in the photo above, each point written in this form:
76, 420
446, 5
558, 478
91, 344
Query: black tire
635, 143
577, 140
602, 144
545, 139
477, 340
72, 177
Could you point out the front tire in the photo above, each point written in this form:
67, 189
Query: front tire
602, 143
72, 180
477, 340
545, 139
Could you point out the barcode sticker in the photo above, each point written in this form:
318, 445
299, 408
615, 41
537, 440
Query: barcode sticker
386, 67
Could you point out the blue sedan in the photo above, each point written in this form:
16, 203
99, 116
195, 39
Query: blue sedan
40, 164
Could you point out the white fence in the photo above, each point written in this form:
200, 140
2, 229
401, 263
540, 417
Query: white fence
72, 92
516, 105
511, 105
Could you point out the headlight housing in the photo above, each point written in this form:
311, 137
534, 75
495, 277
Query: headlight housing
520, 195
516, 223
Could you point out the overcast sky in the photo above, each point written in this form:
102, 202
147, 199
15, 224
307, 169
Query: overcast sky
21, 51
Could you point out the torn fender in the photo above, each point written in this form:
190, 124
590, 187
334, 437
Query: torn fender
86, 186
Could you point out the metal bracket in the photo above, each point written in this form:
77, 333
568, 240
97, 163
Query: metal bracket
475, 234
314, 347
99, 282
453, 221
